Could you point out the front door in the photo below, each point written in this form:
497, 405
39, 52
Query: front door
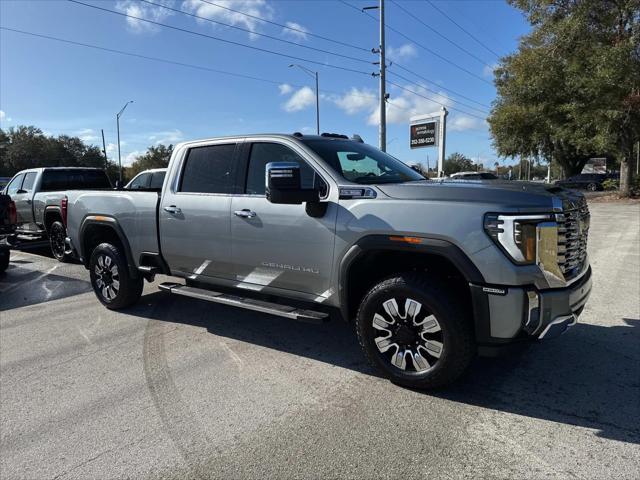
194, 213
280, 246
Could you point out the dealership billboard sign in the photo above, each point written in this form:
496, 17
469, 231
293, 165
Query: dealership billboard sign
430, 131
424, 134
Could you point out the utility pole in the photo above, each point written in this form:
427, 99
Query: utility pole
383, 83
118, 115
104, 150
382, 143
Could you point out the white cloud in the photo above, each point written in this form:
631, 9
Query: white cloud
87, 135
298, 33
130, 157
403, 105
488, 70
403, 52
170, 136
285, 89
112, 148
357, 100
461, 122
2, 115
301, 99
256, 8
144, 10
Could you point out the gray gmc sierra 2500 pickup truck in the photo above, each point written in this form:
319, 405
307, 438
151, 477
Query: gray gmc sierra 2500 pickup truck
308, 227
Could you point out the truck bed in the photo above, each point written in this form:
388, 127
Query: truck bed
136, 212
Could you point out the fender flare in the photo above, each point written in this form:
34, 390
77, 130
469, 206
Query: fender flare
111, 222
434, 246
48, 209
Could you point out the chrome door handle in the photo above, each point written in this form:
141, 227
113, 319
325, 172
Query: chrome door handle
172, 209
245, 213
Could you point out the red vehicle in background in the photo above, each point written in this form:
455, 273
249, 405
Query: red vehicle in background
8, 220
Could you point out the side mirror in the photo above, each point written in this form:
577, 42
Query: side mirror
21, 191
283, 185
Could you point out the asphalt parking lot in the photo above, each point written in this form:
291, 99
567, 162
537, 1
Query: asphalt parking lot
179, 388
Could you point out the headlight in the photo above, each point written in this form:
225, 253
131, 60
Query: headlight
516, 235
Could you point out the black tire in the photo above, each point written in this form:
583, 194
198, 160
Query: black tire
108, 264
5, 253
592, 187
57, 234
452, 331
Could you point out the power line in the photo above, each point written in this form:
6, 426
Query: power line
395, 64
171, 62
438, 93
349, 57
434, 100
471, 54
211, 37
287, 27
462, 28
432, 52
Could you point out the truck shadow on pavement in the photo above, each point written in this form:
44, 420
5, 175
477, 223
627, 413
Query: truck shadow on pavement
21, 287
589, 377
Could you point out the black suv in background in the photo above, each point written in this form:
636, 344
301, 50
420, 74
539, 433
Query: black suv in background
586, 181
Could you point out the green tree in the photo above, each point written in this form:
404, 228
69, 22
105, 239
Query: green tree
457, 162
572, 90
27, 147
157, 156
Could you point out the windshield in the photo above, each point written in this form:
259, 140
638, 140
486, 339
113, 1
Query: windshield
362, 163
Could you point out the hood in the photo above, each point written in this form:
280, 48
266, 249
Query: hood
509, 194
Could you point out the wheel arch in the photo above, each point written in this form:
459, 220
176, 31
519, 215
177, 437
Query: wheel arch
375, 257
51, 214
96, 229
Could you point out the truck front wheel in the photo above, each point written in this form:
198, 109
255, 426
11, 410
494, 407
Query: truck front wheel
415, 332
110, 278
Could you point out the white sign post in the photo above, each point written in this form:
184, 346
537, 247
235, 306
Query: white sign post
430, 131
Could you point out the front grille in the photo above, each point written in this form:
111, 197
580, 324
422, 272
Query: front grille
573, 231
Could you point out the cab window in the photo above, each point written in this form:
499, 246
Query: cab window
140, 182
29, 180
263, 153
15, 185
209, 170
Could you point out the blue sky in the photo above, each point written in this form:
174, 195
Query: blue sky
76, 90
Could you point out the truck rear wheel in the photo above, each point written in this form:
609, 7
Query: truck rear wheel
415, 332
57, 234
110, 278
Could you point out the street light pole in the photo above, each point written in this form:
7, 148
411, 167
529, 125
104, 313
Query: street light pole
314, 75
317, 106
118, 115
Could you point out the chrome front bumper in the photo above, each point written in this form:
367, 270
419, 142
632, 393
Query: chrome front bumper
558, 326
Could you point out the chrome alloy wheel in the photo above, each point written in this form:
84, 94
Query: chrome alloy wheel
415, 335
107, 277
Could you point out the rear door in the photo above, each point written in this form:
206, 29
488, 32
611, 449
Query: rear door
281, 246
195, 229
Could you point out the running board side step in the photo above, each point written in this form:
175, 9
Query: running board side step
293, 313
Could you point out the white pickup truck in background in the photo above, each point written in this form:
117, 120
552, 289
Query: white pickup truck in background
41, 203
